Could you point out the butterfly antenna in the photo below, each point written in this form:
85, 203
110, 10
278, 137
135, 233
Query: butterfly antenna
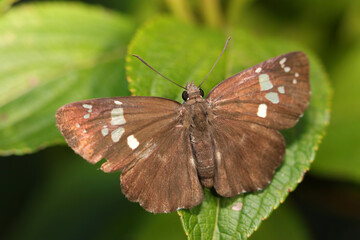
227, 41
157, 71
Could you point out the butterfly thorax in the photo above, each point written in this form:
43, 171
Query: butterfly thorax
198, 116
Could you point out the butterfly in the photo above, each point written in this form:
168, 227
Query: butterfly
168, 151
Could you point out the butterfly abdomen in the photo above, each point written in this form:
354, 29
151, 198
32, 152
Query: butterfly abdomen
202, 145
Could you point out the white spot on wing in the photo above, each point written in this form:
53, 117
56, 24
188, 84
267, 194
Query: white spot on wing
84, 131
117, 133
105, 131
264, 81
117, 116
281, 89
86, 116
218, 157
132, 142
258, 70
262, 110
294, 81
282, 61
272, 97
77, 125
117, 102
192, 161
88, 106
296, 74
287, 69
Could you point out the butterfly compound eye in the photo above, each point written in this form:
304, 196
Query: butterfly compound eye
185, 95
201, 92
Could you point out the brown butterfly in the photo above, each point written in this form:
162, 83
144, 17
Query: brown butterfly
167, 151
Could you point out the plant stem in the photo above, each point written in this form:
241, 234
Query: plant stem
234, 10
181, 9
212, 13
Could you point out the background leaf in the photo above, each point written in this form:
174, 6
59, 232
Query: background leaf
53, 54
5, 5
186, 53
339, 158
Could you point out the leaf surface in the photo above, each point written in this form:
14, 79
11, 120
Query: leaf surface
186, 53
53, 54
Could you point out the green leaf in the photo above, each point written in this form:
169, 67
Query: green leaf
339, 154
350, 25
53, 54
185, 53
5, 5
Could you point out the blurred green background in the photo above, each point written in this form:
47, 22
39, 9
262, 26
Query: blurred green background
54, 194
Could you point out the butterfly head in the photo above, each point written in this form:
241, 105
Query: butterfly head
192, 92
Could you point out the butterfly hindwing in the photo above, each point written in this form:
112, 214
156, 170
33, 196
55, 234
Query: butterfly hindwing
247, 154
167, 179
274, 93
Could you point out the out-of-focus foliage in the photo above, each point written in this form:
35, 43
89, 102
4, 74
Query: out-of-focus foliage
52, 56
76, 51
339, 155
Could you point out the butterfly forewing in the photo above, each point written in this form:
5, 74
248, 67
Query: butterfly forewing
274, 93
111, 128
